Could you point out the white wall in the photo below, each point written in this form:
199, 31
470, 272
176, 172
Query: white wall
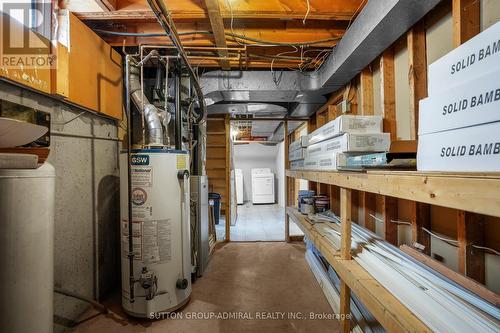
251, 156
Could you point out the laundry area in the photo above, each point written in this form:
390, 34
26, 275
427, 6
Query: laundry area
250, 166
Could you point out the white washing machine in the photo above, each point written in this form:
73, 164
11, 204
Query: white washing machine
239, 186
262, 186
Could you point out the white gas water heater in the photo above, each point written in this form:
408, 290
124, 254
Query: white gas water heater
161, 265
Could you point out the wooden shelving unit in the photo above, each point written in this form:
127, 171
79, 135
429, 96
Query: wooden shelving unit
469, 192
391, 314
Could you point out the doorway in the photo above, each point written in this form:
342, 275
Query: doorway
258, 180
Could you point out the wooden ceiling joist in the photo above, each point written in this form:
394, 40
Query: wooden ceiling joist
218, 31
107, 5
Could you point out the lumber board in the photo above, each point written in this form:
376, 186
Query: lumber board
390, 313
469, 192
461, 279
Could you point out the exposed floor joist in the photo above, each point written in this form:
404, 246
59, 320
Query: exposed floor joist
218, 31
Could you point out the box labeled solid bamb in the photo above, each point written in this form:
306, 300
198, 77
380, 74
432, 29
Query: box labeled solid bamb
472, 103
469, 149
476, 57
349, 142
346, 124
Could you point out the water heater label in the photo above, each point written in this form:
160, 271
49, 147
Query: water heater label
181, 162
142, 176
157, 241
140, 159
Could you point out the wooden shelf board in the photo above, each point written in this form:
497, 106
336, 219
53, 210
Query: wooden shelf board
471, 192
391, 314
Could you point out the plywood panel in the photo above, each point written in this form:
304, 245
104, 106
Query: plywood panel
38, 78
95, 72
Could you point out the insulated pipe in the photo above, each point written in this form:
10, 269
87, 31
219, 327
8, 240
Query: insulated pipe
151, 113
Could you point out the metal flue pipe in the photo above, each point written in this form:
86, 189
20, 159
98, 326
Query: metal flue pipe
164, 18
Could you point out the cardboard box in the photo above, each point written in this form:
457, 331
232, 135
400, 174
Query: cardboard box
469, 149
299, 154
297, 144
297, 165
473, 103
349, 142
346, 124
328, 162
476, 57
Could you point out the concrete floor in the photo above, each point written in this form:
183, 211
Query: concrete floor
271, 279
258, 223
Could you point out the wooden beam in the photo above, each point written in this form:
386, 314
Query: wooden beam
288, 180
366, 81
388, 92
218, 30
107, 5
421, 218
466, 20
345, 221
345, 253
227, 129
471, 192
367, 201
389, 214
461, 279
417, 76
470, 231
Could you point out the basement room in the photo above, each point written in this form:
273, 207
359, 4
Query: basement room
250, 166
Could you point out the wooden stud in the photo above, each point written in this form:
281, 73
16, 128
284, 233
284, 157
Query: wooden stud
417, 75
288, 181
218, 31
421, 218
107, 5
389, 214
366, 85
466, 20
367, 200
470, 231
227, 128
345, 307
345, 220
345, 253
388, 92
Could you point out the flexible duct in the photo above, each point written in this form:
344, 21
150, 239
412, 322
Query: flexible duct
151, 113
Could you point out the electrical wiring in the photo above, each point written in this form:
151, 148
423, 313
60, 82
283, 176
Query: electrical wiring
307, 12
230, 34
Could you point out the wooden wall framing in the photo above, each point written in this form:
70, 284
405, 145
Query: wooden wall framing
369, 209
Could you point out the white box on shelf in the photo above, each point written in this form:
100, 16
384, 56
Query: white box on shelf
476, 57
298, 154
349, 142
472, 103
299, 143
346, 124
469, 149
326, 162
297, 165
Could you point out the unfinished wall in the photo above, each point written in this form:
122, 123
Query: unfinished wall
84, 153
280, 174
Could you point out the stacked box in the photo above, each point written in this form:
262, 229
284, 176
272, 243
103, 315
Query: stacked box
459, 123
298, 154
349, 143
297, 165
346, 124
326, 162
298, 144
473, 59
